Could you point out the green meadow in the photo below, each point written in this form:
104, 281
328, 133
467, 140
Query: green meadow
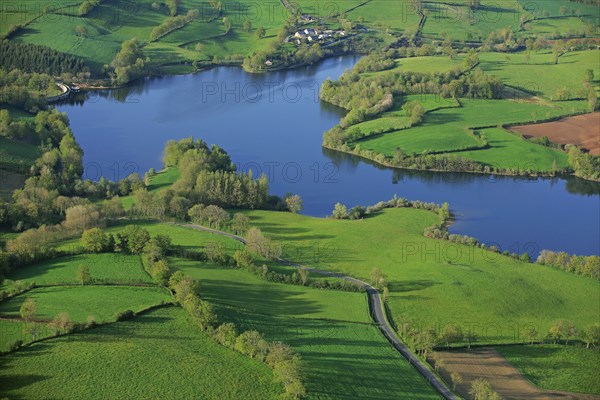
160, 354
114, 268
571, 368
435, 283
101, 302
445, 130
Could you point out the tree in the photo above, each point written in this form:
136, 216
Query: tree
261, 32
81, 30
340, 211
570, 330
294, 203
94, 240
161, 272
226, 334
303, 272
247, 25
201, 310
591, 335
240, 223
452, 334
482, 390
227, 23
28, 309
531, 334
83, 275
588, 76
252, 344
136, 238
557, 330
439, 364
61, 323
456, 379
378, 278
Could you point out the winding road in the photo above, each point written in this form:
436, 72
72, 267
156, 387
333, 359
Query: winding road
377, 313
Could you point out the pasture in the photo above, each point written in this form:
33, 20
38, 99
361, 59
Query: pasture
101, 302
114, 268
435, 283
159, 354
557, 367
445, 130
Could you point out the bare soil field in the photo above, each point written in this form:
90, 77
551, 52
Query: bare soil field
505, 379
582, 131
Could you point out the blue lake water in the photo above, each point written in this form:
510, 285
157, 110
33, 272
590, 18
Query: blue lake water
273, 124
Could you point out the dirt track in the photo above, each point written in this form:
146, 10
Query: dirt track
505, 379
582, 130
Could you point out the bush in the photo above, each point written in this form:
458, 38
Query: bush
125, 315
17, 344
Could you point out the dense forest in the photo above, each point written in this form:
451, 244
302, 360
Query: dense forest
41, 59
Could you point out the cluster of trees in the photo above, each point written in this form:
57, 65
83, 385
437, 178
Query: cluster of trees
374, 62
581, 265
482, 390
87, 6
173, 23
584, 165
207, 176
24, 90
566, 330
41, 59
129, 62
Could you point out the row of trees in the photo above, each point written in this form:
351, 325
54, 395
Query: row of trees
173, 23
88, 6
40, 59
581, 265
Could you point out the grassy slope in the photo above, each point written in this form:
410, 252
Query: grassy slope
102, 302
557, 367
481, 288
104, 267
241, 289
444, 130
158, 355
14, 154
569, 72
345, 356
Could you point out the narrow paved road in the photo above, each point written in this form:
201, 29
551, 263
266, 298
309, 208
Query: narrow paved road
377, 312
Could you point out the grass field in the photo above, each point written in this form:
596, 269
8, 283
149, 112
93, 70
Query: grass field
103, 267
15, 154
568, 73
243, 290
157, 355
101, 302
445, 131
343, 360
435, 283
557, 367
157, 182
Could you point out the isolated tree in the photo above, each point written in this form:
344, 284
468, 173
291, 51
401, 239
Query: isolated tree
482, 390
94, 240
588, 76
81, 30
303, 272
247, 25
386, 294
378, 278
227, 24
83, 275
294, 203
28, 309
456, 379
261, 32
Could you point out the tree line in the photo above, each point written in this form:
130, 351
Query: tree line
173, 23
40, 59
580, 265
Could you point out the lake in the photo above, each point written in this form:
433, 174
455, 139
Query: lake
273, 124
